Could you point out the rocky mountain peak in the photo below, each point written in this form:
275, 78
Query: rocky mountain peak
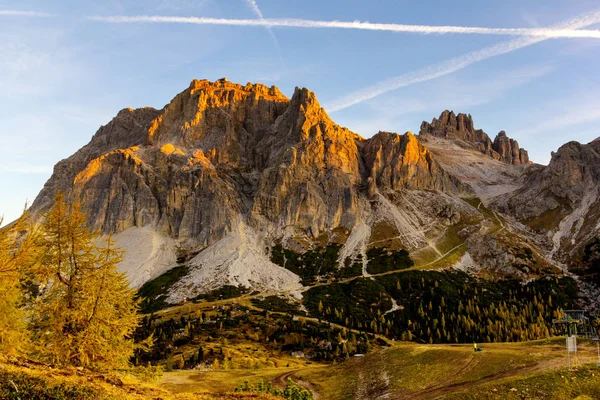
451, 126
461, 128
508, 150
224, 84
397, 162
227, 171
217, 111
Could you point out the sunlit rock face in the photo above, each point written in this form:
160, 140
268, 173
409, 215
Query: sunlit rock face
402, 162
220, 153
225, 172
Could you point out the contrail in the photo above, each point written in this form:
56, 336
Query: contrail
17, 13
545, 33
453, 64
254, 7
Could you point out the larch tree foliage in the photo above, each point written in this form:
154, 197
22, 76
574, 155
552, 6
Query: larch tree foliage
86, 312
17, 253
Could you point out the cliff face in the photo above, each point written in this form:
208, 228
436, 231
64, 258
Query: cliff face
461, 127
225, 173
402, 162
220, 152
222, 158
561, 201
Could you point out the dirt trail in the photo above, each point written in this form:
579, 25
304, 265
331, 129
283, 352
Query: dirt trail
438, 391
281, 381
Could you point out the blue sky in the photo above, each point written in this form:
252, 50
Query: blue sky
62, 74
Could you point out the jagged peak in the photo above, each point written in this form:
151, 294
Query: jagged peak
460, 120
393, 136
223, 83
130, 110
307, 100
461, 127
187, 118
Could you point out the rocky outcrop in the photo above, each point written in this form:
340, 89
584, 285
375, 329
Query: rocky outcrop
573, 171
562, 200
460, 127
128, 128
401, 162
224, 172
508, 150
310, 171
221, 153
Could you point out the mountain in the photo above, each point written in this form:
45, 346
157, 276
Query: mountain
232, 185
460, 127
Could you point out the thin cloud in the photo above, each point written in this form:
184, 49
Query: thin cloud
582, 114
396, 113
256, 10
545, 33
19, 13
454, 64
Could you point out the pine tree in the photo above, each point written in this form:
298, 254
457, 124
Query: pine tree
86, 312
18, 252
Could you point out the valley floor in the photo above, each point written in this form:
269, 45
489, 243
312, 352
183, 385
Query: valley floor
535, 370
528, 370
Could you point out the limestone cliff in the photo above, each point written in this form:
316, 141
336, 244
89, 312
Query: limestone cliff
561, 201
460, 127
402, 162
222, 158
224, 173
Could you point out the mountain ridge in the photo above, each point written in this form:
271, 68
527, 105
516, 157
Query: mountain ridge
224, 173
461, 127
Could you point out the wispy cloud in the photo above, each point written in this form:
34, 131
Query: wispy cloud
454, 64
461, 93
546, 33
571, 114
398, 112
256, 10
19, 13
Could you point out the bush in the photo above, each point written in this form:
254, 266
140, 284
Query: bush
19, 386
292, 390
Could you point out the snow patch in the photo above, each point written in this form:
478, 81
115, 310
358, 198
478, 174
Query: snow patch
148, 254
239, 259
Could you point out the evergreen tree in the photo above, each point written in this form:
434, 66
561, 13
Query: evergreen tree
86, 312
17, 252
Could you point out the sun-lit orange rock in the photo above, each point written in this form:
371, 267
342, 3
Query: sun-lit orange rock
168, 149
95, 166
219, 153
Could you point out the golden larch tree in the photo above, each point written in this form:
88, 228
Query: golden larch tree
18, 252
86, 312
